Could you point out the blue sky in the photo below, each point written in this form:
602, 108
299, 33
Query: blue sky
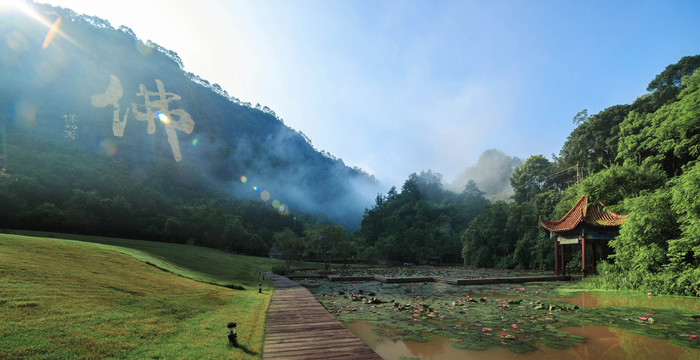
396, 87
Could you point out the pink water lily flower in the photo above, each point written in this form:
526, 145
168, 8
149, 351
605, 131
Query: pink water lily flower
514, 326
643, 318
693, 336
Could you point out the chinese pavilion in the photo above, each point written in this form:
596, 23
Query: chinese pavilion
586, 222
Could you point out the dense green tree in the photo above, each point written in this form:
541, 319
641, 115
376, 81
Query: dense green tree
612, 186
658, 244
668, 137
642, 245
289, 245
421, 224
684, 252
327, 242
531, 178
485, 241
667, 85
46, 216
533, 249
592, 145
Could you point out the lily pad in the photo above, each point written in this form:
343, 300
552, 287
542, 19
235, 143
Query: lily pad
559, 345
521, 348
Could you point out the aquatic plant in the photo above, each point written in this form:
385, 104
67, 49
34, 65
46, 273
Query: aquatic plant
520, 318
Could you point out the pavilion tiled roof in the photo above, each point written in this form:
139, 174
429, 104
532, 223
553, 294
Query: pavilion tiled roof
591, 213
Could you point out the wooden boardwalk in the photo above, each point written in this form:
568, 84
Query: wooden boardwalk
298, 327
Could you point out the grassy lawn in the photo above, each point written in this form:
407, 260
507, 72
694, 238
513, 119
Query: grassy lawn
63, 299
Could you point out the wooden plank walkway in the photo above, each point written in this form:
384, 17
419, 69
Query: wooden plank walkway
299, 327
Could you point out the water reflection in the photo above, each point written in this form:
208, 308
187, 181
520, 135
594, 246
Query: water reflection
601, 343
617, 299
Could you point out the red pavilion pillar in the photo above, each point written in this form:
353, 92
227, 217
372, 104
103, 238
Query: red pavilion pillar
561, 260
556, 256
583, 257
593, 258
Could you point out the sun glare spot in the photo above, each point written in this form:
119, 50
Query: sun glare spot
264, 196
23, 8
275, 204
195, 142
244, 179
255, 188
52, 33
163, 118
27, 10
284, 210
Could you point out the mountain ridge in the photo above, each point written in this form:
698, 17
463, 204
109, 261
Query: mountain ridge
103, 88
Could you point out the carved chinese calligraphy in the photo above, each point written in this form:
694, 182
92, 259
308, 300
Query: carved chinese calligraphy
155, 106
70, 126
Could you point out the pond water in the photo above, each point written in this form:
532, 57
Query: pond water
601, 343
604, 299
523, 321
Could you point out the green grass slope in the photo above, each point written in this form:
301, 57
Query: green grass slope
193, 262
63, 299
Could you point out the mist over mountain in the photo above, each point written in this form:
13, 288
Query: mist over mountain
491, 174
118, 97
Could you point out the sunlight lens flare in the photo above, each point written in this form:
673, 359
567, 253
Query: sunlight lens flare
283, 209
163, 118
107, 147
142, 48
276, 204
244, 179
29, 11
52, 33
24, 8
195, 142
264, 196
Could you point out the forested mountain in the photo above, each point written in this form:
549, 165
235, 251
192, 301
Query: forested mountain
92, 111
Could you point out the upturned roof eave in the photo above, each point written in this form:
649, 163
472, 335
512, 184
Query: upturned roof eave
579, 214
